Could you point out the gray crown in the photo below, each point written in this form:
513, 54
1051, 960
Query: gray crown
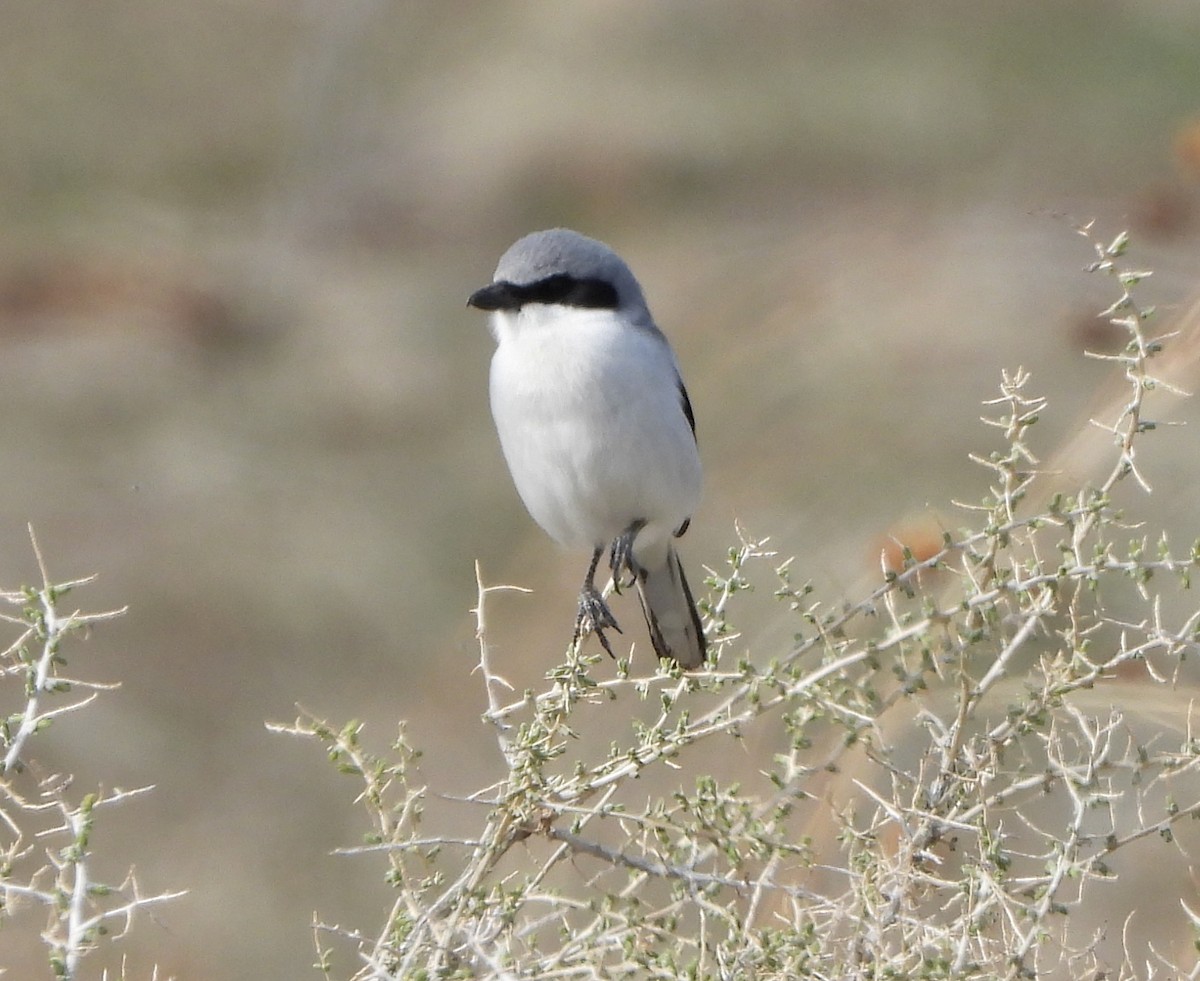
560, 251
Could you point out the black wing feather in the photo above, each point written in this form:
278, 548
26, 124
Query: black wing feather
691, 418
687, 406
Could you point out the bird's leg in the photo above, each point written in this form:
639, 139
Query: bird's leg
594, 615
621, 560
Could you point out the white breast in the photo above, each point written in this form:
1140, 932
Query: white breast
591, 422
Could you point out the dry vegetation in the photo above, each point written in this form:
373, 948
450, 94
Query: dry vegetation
47, 878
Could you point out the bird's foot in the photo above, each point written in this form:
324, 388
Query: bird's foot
594, 618
621, 560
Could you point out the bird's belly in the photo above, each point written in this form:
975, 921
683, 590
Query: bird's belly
593, 446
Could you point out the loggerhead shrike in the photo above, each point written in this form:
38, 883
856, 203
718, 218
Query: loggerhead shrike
596, 425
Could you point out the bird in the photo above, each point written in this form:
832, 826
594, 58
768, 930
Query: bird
596, 427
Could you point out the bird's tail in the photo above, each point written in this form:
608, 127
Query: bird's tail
671, 614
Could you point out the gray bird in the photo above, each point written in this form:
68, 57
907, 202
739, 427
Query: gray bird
596, 426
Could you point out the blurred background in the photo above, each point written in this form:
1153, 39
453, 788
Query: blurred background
239, 380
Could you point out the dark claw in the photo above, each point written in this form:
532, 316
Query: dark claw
621, 560
594, 617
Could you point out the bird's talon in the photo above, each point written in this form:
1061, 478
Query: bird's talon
594, 617
621, 560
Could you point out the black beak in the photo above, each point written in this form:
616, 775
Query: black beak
494, 296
